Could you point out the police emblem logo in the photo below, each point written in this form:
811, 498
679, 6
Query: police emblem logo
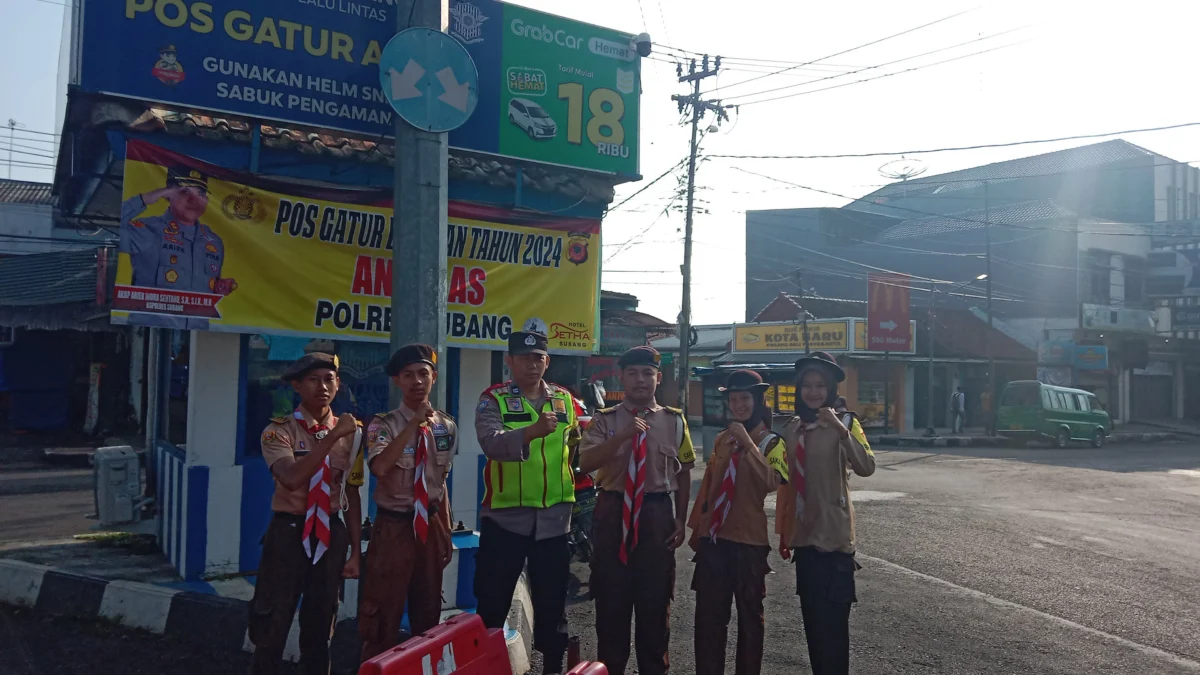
577, 248
514, 404
172, 276
442, 442
530, 341
269, 436
241, 206
483, 404
559, 405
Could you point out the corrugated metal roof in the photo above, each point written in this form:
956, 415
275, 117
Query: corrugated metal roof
1071, 159
48, 278
1012, 214
25, 192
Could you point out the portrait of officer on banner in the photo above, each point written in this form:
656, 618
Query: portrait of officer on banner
175, 251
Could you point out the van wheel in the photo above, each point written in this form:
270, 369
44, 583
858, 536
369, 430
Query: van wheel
1062, 439
1098, 439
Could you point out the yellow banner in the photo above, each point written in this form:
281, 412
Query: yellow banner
828, 336
208, 249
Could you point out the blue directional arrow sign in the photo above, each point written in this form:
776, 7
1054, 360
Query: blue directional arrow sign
430, 79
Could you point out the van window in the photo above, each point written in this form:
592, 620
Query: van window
1068, 401
1055, 400
1022, 395
1047, 399
1082, 400
518, 106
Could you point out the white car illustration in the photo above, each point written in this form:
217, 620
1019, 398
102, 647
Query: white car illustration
532, 118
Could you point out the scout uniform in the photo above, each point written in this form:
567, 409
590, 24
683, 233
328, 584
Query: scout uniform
729, 533
633, 569
410, 537
529, 490
815, 518
169, 255
294, 565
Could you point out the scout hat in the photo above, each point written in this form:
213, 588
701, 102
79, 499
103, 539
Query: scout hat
527, 342
169, 49
308, 363
410, 354
643, 355
822, 360
187, 177
743, 380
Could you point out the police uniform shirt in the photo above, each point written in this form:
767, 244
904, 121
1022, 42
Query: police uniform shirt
758, 474
394, 491
289, 437
827, 519
168, 255
668, 448
504, 445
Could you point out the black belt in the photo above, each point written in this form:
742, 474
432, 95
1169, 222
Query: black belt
404, 515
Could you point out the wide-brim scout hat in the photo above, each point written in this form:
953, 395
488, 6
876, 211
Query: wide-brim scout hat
308, 363
743, 380
642, 355
527, 342
169, 49
187, 177
821, 360
410, 354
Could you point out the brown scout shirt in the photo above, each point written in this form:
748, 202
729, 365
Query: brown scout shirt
395, 490
756, 478
508, 445
668, 448
828, 517
289, 437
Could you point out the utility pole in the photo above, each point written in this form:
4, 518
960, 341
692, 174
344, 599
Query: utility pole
987, 340
929, 431
698, 109
12, 127
419, 222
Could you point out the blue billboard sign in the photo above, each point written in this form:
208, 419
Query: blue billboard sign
551, 89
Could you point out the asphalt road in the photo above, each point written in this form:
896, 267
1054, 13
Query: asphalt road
975, 561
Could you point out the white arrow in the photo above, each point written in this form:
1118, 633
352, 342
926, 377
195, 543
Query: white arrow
456, 95
404, 85
887, 325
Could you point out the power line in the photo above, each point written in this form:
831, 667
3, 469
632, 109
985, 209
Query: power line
852, 49
647, 186
877, 66
880, 77
984, 146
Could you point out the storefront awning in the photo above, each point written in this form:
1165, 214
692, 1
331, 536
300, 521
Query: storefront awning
53, 291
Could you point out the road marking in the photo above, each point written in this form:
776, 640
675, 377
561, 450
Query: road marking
1192, 473
991, 599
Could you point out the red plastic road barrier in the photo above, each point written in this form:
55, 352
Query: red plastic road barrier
589, 668
462, 646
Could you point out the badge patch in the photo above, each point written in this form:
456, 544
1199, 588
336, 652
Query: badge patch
172, 276
174, 260
210, 248
442, 442
440, 429
483, 404
320, 435
514, 404
410, 450
301, 445
530, 341
559, 405
270, 436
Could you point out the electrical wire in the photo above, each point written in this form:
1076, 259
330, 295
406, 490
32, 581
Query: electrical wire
852, 49
647, 186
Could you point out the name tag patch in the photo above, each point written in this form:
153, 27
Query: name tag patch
440, 430
410, 450
560, 406
514, 404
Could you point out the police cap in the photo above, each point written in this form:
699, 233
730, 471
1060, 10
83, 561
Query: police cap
308, 363
643, 355
410, 354
527, 342
183, 176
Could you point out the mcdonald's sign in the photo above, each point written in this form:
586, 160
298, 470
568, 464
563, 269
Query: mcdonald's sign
888, 298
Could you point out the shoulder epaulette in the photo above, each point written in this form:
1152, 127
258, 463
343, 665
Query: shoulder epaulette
381, 416
137, 222
282, 419
448, 416
494, 387
607, 411
358, 422
677, 411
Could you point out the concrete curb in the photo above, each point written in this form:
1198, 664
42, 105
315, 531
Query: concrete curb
994, 441
207, 620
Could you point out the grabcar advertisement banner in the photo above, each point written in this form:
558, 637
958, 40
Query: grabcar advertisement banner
209, 249
551, 89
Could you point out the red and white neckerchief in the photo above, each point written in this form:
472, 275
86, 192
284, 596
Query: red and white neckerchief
316, 518
420, 488
635, 483
725, 498
798, 466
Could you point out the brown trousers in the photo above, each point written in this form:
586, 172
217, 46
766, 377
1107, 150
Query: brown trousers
285, 574
729, 573
645, 586
401, 571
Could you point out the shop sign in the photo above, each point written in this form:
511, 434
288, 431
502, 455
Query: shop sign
551, 89
1185, 318
860, 339
276, 258
1098, 317
829, 336
1090, 357
616, 340
888, 297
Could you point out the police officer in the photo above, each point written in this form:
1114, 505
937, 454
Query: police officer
175, 251
526, 428
409, 450
729, 529
641, 453
310, 453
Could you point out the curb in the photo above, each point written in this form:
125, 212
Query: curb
994, 441
206, 620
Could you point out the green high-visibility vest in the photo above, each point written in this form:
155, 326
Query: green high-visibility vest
546, 478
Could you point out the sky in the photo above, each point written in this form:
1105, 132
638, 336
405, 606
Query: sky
1067, 67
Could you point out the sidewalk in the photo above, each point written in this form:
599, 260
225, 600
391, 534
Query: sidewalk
1124, 434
